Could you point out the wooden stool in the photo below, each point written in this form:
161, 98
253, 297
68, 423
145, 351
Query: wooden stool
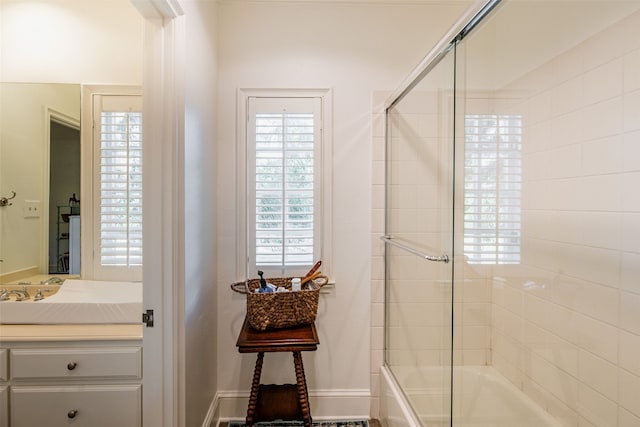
271, 402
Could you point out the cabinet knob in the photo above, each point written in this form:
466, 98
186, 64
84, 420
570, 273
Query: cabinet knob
72, 413
71, 366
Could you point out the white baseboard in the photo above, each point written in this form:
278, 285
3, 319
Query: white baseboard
213, 412
325, 404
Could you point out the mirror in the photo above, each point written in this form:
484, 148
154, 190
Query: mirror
40, 162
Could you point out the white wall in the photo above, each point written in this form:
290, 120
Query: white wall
70, 41
201, 319
354, 49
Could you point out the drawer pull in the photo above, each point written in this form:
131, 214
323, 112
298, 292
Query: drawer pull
71, 366
72, 413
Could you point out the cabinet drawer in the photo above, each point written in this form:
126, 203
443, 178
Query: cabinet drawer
4, 407
113, 362
82, 406
3, 365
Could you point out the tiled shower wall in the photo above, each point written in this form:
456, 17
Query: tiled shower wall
566, 321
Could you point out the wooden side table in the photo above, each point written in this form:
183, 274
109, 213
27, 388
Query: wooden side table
271, 402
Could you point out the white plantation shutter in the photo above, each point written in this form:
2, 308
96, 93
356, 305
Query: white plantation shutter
284, 168
492, 188
118, 190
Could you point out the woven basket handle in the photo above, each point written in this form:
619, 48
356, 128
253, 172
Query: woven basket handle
240, 287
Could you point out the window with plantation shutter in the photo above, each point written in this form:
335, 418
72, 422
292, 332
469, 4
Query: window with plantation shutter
284, 171
118, 187
492, 188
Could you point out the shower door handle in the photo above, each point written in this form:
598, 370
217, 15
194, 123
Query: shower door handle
442, 258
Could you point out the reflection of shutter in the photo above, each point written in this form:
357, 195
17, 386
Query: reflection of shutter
492, 188
284, 176
121, 188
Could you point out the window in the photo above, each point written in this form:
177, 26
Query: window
492, 188
285, 192
117, 189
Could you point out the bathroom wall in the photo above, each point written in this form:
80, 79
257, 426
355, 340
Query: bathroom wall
354, 49
200, 290
566, 320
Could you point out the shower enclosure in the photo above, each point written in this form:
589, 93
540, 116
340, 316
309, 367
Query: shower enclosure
512, 221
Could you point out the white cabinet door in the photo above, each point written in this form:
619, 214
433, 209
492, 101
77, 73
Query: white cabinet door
80, 406
4, 407
3, 365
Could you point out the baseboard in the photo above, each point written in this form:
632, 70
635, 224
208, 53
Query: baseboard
213, 416
325, 404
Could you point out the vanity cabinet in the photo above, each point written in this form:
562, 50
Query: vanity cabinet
61, 383
4, 391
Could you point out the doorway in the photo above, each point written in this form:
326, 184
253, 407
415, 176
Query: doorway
64, 190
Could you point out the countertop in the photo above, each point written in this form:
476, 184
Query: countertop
21, 333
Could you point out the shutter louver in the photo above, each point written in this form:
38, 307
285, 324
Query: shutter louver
284, 189
121, 189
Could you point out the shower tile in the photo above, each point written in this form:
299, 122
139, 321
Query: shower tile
599, 410
557, 381
597, 337
603, 155
567, 416
630, 272
632, 71
631, 111
631, 34
568, 128
627, 419
604, 82
629, 351
603, 47
631, 152
600, 375
565, 162
629, 313
568, 96
378, 148
631, 232
630, 194
629, 391
606, 118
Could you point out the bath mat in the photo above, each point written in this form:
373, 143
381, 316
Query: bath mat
331, 423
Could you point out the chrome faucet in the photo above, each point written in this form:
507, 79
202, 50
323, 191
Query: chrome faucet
4, 295
21, 295
52, 280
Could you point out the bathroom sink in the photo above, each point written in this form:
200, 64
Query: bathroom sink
75, 302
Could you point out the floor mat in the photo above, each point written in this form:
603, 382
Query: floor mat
332, 423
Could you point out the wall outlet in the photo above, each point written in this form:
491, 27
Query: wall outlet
31, 208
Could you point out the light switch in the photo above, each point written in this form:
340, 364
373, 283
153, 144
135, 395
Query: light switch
31, 208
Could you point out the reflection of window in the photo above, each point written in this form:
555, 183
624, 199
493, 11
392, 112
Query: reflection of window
492, 188
115, 246
121, 188
285, 176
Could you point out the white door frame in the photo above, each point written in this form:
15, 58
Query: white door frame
163, 177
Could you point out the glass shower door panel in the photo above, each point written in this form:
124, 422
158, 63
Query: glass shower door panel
419, 221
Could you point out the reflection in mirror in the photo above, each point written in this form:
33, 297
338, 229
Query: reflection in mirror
36, 121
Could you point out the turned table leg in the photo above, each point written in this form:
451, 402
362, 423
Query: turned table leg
303, 394
255, 385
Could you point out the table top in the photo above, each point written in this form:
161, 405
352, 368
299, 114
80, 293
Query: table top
299, 338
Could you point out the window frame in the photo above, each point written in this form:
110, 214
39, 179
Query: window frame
243, 269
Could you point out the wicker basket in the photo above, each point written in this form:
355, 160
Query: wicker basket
281, 309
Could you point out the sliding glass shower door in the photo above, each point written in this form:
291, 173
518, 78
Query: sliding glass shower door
419, 242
